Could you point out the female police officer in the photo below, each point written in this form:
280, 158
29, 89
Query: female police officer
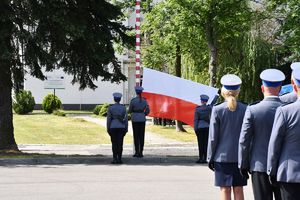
117, 127
224, 131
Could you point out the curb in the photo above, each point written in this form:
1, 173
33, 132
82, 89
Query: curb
166, 160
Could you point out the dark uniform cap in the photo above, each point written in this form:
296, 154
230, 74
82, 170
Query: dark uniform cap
272, 77
139, 89
204, 97
296, 75
231, 82
117, 95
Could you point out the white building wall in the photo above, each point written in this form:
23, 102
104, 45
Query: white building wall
71, 94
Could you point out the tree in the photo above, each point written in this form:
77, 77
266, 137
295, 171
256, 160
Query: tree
287, 16
37, 36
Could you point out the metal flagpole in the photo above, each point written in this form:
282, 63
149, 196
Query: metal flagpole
138, 42
137, 48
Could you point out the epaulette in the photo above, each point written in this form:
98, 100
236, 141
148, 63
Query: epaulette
218, 103
284, 94
285, 104
256, 102
243, 102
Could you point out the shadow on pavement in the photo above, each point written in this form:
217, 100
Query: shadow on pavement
52, 159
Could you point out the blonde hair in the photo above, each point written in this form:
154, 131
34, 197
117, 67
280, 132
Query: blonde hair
230, 96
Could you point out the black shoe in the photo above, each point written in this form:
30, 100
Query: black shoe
135, 155
200, 161
114, 161
119, 162
140, 155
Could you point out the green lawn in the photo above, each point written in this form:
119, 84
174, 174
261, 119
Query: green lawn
41, 128
170, 132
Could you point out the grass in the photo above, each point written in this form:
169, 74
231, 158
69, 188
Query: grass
41, 128
171, 133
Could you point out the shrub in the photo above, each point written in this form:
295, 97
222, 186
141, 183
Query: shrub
51, 103
23, 102
59, 113
104, 109
97, 109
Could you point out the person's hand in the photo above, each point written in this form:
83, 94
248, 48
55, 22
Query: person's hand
273, 181
211, 165
244, 173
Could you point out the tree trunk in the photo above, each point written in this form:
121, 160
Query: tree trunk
211, 42
7, 140
179, 127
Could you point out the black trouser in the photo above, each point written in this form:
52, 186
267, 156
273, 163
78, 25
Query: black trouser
290, 191
117, 136
262, 188
138, 136
202, 137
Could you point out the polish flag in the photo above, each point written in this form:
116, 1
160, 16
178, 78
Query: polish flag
172, 97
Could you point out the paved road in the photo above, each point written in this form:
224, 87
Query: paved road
109, 182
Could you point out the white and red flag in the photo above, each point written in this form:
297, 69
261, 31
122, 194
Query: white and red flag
172, 97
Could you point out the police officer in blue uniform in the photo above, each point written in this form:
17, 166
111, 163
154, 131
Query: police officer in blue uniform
283, 163
117, 127
139, 109
201, 126
255, 136
292, 96
224, 132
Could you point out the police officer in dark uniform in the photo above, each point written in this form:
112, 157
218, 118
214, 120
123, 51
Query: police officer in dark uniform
224, 132
117, 127
292, 96
255, 136
201, 126
139, 109
283, 163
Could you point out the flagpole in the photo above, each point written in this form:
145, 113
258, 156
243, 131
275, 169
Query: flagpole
138, 42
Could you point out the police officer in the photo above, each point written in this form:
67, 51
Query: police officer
201, 125
224, 132
117, 127
284, 147
255, 136
139, 109
292, 96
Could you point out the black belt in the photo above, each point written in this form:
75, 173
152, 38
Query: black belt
138, 111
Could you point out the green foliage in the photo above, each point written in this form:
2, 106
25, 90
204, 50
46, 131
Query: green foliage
23, 102
97, 109
60, 113
104, 110
77, 36
286, 15
51, 103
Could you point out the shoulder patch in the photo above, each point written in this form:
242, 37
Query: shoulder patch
256, 102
